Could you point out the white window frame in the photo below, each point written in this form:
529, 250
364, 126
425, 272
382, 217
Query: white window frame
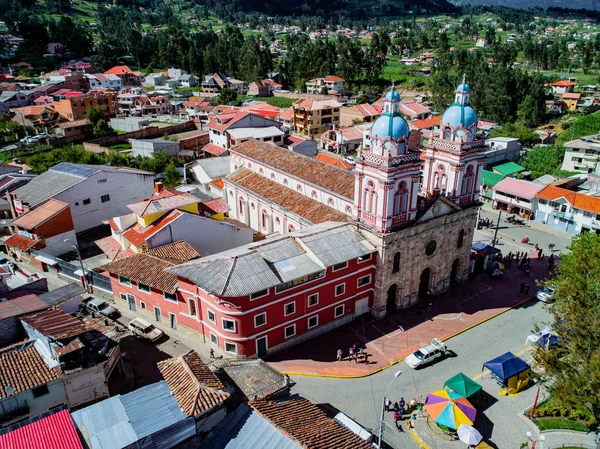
285, 307
261, 296
123, 296
285, 331
365, 260
227, 330
335, 314
229, 343
358, 285
143, 305
343, 284
256, 316
189, 301
144, 291
333, 268
310, 318
208, 313
211, 335
308, 304
124, 283
169, 299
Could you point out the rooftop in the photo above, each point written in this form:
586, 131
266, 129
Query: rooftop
335, 161
22, 305
490, 178
138, 234
257, 133
213, 149
166, 200
255, 378
509, 168
211, 168
316, 105
40, 214
518, 187
55, 323
577, 200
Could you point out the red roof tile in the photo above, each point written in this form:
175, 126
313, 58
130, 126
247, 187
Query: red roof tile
332, 160
429, 122
20, 242
119, 70
333, 78
137, 234
223, 121
213, 149
176, 252
218, 183
577, 200
563, 83
286, 115
571, 96
216, 206
112, 248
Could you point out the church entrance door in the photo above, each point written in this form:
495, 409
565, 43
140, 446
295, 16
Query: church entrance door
391, 298
424, 283
454, 271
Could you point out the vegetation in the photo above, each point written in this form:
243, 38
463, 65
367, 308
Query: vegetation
100, 127
560, 424
571, 370
550, 414
584, 126
171, 175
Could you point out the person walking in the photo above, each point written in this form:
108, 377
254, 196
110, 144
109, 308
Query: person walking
397, 421
366, 358
522, 291
526, 289
339, 355
350, 353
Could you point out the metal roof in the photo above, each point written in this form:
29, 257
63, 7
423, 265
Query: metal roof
46, 186
245, 428
257, 133
62, 294
212, 168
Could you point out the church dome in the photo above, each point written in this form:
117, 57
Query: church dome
390, 126
458, 114
463, 87
392, 95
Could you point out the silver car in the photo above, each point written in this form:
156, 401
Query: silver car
101, 307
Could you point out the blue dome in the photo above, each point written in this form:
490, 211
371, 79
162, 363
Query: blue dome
457, 114
381, 127
392, 95
463, 87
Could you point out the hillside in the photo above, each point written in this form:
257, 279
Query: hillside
526, 4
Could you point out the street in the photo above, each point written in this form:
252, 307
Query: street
361, 399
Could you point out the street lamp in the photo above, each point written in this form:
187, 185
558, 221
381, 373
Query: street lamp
382, 421
83, 275
534, 441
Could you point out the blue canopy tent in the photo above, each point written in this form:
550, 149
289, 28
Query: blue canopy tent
510, 370
482, 246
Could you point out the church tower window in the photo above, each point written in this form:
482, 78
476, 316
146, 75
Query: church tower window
396, 264
461, 237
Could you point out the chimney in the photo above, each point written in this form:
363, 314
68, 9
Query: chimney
158, 186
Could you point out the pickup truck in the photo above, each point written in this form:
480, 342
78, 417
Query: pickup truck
427, 354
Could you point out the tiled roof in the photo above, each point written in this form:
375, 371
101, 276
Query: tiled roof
20, 242
119, 70
333, 161
413, 109
137, 234
368, 110
429, 122
22, 367
194, 385
216, 206
227, 119
323, 175
218, 183
33, 110
174, 252
286, 115
112, 248
167, 200
55, 323
307, 424
571, 96
316, 105
40, 214
213, 149
67, 125
333, 78
577, 200
311, 210
563, 83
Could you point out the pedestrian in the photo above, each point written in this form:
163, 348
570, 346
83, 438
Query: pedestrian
540, 253
212, 353
522, 291
366, 358
339, 355
355, 358
350, 353
401, 403
396, 408
397, 421
527, 270
387, 405
526, 289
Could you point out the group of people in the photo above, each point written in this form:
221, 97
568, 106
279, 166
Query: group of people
524, 289
400, 408
355, 354
484, 223
523, 262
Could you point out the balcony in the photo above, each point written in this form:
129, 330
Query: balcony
367, 217
400, 219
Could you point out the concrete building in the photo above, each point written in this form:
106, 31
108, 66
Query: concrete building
516, 196
582, 155
329, 85
147, 148
502, 149
359, 113
563, 86
314, 117
75, 108
129, 124
107, 81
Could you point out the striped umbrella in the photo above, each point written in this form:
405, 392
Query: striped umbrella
449, 409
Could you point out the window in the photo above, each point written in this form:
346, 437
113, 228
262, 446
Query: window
298, 281
396, 264
86, 201
340, 289
299, 188
313, 321
40, 391
213, 339
340, 266
123, 296
364, 258
330, 202
105, 198
259, 294
364, 280
290, 331
211, 316
143, 288
125, 281
461, 237
231, 348
192, 307
313, 300
260, 319
143, 305
100, 181
290, 308
170, 296
228, 325
339, 311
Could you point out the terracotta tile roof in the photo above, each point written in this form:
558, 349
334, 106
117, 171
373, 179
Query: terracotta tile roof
112, 248
577, 200
149, 268
318, 173
216, 206
193, 384
369, 110
218, 183
429, 122
213, 149
307, 424
137, 234
55, 323
333, 78
33, 110
226, 119
286, 115
563, 83
21, 242
196, 101
316, 105
67, 125
119, 70
22, 367
413, 109
171, 199
113, 225
333, 161
40, 214
289, 199
571, 96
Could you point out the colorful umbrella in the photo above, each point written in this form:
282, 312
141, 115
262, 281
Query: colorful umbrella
469, 435
449, 409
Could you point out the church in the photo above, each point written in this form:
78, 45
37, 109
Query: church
417, 206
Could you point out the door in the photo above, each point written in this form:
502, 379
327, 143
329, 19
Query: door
424, 283
261, 346
391, 298
361, 306
131, 300
173, 320
157, 314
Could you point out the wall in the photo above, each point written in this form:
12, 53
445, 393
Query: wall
56, 396
147, 148
86, 385
56, 245
10, 331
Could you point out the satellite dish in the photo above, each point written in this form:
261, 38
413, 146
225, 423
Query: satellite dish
9, 390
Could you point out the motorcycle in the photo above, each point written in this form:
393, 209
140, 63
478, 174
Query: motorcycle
525, 240
509, 218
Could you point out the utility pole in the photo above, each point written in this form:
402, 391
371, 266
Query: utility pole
496, 232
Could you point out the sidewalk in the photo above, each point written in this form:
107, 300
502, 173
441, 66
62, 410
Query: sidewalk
390, 340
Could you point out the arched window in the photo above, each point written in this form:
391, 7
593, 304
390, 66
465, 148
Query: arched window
468, 180
461, 237
348, 210
330, 202
370, 198
241, 205
261, 171
285, 182
291, 228
299, 188
401, 199
314, 194
273, 176
396, 264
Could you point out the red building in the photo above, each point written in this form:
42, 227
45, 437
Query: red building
268, 295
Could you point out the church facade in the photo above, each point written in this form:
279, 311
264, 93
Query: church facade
416, 206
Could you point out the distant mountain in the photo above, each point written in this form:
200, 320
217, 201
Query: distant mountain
526, 4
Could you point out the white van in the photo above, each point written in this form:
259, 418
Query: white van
143, 328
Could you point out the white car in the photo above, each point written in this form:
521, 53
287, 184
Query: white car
349, 160
101, 307
545, 294
426, 354
145, 329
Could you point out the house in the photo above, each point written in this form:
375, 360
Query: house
488, 180
570, 100
431, 124
156, 79
75, 131
582, 154
502, 149
150, 105
216, 82
129, 124
205, 171
314, 117
106, 81
41, 117
128, 78
300, 145
330, 85
12, 99
12, 181
359, 113
53, 429
516, 196
93, 192
300, 285
188, 81
415, 110
258, 89
75, 107
175, 73
148, 147
563, 86
44, 228
198, 107
234, 126
509, 169
343, 140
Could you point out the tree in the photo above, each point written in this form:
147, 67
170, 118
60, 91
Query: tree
103, 129
171, 175
228, 97
94, 114
572, 368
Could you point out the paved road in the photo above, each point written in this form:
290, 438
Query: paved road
361, 398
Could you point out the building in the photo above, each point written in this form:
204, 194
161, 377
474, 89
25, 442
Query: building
128, 78
106, 81
570, 100
42, 117
12, 99
509, 169
187, 81
216, 82
156, 79
582, 155
343, 140
198, 107
297, 144
205, 171
516, 196
314, 117
93, 192
258, 89
150, 105
75, 107
501, 149
234, 126
359, 113
75, 131
415, 111
149, 147
330, 85
561, 87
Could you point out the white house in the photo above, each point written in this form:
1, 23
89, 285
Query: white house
516, 196
188, 80
502, 149
234, 127
582, 154
108, 81
156, 79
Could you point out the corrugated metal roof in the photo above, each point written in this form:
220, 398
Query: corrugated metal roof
244, 428
214, 167
46, 186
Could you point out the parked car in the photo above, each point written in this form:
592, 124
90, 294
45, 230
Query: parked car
145, 329
545, 294
349, 160
427, 354
101, 307
30, 139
